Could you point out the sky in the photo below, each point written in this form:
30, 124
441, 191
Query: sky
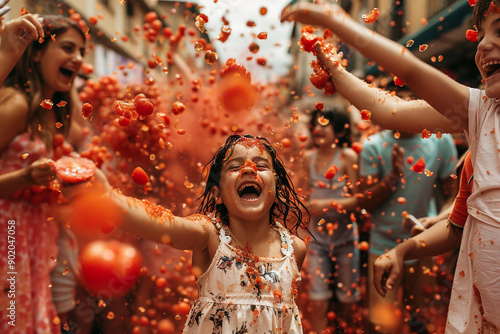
238, 13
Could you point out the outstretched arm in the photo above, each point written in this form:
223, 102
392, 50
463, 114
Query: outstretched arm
440, 238
143, 218
440, 91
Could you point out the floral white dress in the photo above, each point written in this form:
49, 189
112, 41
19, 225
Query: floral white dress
243, 293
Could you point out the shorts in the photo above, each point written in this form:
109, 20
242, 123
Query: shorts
334, 271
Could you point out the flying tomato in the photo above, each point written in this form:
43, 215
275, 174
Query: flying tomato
471, 35
140, 176
143, 105
330, 173
87, 109
372, 16
419, 166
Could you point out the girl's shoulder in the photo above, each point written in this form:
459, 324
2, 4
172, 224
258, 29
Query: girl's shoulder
349, 155
11, 98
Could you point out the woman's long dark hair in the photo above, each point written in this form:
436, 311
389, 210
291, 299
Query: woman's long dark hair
27, 79
288, 208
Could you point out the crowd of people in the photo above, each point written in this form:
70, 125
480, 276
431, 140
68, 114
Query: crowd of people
311, 230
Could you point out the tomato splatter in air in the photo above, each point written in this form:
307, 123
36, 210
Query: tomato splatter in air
371, 16
87, 68
426, 134
471, 35
365, 115
87, 109
178, 108
109, 263
330, 173
423, 47
364, 246
143, 105
237, 92
46, 104
419, 166
357, 147
140, 176
308, 39
398, 82
262, 35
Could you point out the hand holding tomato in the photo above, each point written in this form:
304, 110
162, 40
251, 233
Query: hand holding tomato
41, 172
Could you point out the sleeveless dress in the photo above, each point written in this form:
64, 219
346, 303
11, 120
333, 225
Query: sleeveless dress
476, 285
34, 245
242, 293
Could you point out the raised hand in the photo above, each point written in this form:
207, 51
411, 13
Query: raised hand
18, 33
41, 172
311, 14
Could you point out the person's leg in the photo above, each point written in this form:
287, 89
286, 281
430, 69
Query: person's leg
418, 290
384, 313
319, 268
346, 285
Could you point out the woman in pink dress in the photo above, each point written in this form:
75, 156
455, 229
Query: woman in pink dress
35, 109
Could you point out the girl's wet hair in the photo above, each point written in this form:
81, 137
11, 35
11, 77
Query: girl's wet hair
339, 121
288, 207
481, 9
27, 79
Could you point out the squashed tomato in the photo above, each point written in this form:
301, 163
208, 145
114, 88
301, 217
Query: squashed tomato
308, 39
46, 104
372, 16
419, 166
74, 169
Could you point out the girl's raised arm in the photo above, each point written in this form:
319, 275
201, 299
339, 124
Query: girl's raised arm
440, 91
